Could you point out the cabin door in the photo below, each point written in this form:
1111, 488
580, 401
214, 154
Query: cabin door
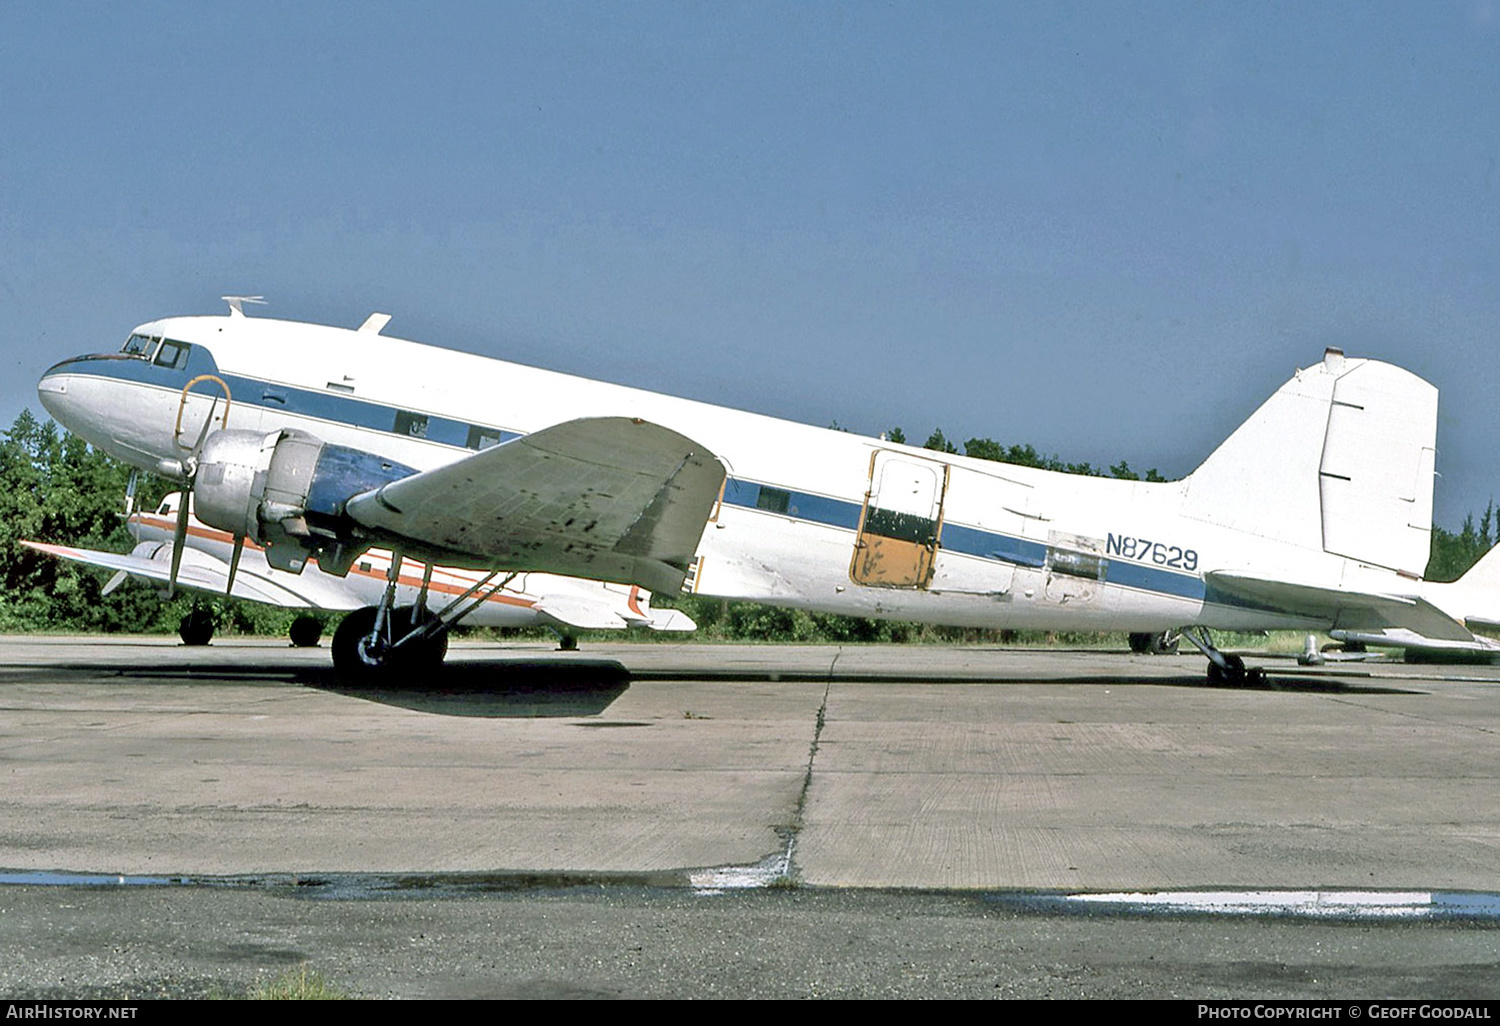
903, 516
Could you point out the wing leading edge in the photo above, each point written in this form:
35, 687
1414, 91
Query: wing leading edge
607, 498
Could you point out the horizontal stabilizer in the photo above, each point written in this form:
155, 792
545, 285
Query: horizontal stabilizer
203, 573
580, 614
607, 498
1486, 572
586, 615
1397, 637
1343, 610
673, 620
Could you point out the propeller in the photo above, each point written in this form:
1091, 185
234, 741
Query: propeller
186, 470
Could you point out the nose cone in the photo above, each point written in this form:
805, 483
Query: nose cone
73, 393
52, 390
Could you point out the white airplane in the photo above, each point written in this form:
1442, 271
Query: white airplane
207, 567
321, 442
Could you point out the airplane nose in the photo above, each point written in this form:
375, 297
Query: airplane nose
52, 390
58, 389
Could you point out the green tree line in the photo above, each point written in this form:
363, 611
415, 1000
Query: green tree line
55, 488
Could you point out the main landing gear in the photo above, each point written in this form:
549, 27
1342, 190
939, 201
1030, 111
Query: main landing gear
380, 640
406, 638
1223, 670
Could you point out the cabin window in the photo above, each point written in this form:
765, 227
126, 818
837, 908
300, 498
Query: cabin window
412, 425
482, 437
171, 354
774, 499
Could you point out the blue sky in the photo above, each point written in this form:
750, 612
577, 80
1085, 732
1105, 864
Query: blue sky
1107, 230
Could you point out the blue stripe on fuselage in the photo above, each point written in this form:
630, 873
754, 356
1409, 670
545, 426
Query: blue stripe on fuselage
970, 541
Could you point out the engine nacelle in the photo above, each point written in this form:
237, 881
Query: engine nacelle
287, 490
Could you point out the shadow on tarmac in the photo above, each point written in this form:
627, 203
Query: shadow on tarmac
522, 690
546, 687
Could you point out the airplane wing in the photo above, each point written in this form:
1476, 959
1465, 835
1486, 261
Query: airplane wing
607, 498
1345, 610
203, 573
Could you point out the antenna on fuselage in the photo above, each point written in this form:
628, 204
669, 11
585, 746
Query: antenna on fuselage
236, 303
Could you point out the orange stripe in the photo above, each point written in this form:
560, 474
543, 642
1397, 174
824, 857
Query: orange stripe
224, 537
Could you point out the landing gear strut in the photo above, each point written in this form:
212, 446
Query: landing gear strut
1223, 669
360, 649
378, 639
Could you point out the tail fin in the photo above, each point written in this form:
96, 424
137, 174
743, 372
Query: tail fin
1340, 460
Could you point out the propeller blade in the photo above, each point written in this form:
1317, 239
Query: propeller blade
234, 562
179, 538
114, 582
190, 467
135, 476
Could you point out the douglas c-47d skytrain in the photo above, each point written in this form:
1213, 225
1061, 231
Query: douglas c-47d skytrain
318, 443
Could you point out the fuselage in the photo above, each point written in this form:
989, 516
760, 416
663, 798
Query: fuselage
809, 518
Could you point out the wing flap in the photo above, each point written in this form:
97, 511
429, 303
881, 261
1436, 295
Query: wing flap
1345, 610
607, 498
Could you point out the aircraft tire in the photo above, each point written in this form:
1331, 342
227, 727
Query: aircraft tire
353, 658
425, 655
1235, 674
350, 658
197, 628
305, 631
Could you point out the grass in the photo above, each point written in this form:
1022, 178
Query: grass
300, 984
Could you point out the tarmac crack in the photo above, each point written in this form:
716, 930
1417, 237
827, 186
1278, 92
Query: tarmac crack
778, 869
794, 829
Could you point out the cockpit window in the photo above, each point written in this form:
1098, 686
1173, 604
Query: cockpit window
138, 345
171, 354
